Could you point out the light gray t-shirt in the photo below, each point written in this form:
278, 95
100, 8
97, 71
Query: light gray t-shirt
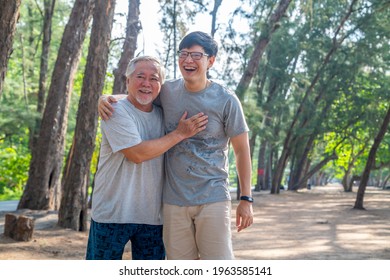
197, 168
126, 192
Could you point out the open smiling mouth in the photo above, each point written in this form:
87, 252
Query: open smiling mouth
144, 91
189, 69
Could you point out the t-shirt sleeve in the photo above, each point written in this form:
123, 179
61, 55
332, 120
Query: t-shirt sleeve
121, 129
234, 118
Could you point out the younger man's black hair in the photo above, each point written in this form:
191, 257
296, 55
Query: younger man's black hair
202, 39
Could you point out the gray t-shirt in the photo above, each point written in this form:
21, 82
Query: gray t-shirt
126, 192
197, 168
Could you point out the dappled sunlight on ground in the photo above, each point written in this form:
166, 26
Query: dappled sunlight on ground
317, 224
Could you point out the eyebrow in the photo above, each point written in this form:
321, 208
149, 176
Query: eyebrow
142, 73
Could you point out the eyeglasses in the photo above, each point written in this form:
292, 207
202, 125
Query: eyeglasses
194, 55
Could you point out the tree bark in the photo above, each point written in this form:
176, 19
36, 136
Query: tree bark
130, 45
314, 170
42, 190
371, 161
74, 202
48, 16
346, 178
261, 167
213, 13
383, 184
9, 15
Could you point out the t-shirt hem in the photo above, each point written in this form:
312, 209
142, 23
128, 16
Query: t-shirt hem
192, 203
103, 221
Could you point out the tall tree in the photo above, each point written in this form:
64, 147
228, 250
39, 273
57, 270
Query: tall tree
42, 190
73, 209
130, 45
9, 15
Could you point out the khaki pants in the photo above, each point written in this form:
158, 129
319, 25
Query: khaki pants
194, 232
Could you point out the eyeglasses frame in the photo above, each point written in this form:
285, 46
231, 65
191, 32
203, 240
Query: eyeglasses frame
190, 54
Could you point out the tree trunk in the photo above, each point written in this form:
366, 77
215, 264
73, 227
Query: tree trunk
260, 47
252, 144
42, 190
351, 181
345, 181
130, 45
302, 162
315, 169
49, 8
261, 161
370, 162
213, 13
74, 202
9, 15
269, 168
383, 184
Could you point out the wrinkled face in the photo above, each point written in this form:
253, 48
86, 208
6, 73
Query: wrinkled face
193, 70
144, 85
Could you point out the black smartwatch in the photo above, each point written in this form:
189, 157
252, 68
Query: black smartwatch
247, 198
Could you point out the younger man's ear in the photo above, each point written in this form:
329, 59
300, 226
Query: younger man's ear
211, 61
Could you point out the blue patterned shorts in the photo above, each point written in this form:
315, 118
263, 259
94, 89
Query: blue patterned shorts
107, 241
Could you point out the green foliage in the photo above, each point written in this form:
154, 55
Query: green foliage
14, 165
15, 122
23, 67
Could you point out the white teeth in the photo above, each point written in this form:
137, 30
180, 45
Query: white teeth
145, 91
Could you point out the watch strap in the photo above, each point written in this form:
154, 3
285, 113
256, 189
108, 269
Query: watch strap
247, 198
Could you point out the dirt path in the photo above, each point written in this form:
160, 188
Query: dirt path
309, 224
